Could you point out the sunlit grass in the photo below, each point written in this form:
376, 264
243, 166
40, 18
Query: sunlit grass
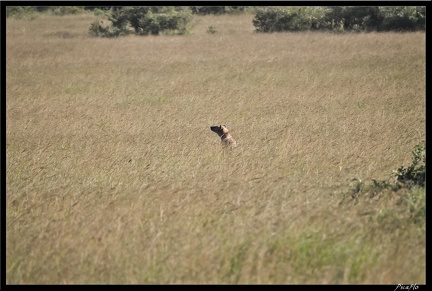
113, 175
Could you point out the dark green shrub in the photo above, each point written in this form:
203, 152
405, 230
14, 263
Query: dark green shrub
379, 18
412, 177
216, 10
156, 23
98, 29
277, 19
100, 12
119, 19
341, 18
236, 9
43, 8
403, 18
144, 20
356, 18
104, 8
204, 10
415, 174
20, 11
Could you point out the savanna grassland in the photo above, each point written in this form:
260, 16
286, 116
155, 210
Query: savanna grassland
113, 174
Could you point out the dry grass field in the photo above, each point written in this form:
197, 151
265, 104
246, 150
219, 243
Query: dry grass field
113, 174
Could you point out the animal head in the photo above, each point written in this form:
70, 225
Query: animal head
220, 130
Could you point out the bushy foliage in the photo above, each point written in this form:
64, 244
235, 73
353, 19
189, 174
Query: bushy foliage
100, 12
204, 10
21, 11
98, 28
380, 18
415, 174
403, 18
408, 192
277, 19
145, 20
67, 10
341, 18
355, 18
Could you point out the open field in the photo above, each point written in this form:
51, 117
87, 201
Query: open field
113, 174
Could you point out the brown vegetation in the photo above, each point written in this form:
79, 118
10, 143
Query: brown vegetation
113, 175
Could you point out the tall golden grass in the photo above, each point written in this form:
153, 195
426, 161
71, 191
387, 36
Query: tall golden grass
113, 174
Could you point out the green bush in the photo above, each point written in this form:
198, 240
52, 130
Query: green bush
411, 177
98, 29
277, 19
20, 11
341, 18
356, 18
415, 174
156, 23
100, 12
145, 20
403, 18
380, 18
119, 20
204, 10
